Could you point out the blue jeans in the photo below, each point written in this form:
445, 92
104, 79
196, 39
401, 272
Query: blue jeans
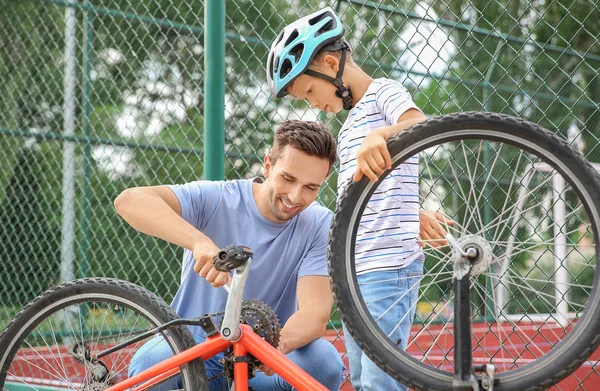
382, 290
319, 358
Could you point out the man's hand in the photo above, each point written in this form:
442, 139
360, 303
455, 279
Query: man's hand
373, 157
431, 231
282, 349
204, 254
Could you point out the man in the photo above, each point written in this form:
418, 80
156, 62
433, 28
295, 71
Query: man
287, 231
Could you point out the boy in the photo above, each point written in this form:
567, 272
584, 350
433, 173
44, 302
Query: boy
310, 60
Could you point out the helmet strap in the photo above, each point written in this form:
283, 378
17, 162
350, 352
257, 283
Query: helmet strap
342, 92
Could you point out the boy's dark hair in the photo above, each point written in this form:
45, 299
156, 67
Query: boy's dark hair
312, 138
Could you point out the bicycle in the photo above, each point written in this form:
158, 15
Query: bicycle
518, 268
493, 256
249, 333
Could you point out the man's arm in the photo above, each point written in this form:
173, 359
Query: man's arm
156, 211
309, 322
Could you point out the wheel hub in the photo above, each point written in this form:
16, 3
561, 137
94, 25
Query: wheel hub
476, 250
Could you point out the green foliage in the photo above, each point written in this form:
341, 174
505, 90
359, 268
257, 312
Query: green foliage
30, 244
145, 122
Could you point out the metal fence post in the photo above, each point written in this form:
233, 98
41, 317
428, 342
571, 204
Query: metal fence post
68, 182
214, 90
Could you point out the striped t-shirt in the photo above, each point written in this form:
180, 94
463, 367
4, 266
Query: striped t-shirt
389, 227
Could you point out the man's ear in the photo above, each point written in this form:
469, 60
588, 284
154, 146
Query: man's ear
268, 165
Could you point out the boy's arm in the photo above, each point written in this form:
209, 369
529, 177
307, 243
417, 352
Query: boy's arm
373, 157
308, 323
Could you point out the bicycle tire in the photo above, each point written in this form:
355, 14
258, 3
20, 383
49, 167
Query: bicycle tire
542, 372
106, 294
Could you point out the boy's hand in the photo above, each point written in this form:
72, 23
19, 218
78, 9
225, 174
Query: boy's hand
431, 231
204, 253
373, 157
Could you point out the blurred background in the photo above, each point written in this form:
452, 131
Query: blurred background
101, 95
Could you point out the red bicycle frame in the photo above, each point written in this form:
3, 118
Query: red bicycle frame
248, 343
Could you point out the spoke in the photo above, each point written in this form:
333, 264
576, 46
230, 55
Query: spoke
86, 374
512, 180
393, 225
519, 281
513, 329
430, 249
435, 280
68, 318
403, 295
499, 330
62, 364
131, 329
55, 375
414, 304
531, 250
547, 242
538, 232
148, 351
393, 279
475, 213
481, 291
464, 197
100, 333
539, 294
499, 219
440, 333
30, 386
427, 159
552, 282
491, 171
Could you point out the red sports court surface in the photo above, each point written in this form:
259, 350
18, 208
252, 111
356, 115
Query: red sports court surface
505, 344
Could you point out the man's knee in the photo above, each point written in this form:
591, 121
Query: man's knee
151, 353
323, 362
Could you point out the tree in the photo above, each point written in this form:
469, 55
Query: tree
29, 250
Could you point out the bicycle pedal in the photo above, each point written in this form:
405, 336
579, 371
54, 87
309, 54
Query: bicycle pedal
208, 325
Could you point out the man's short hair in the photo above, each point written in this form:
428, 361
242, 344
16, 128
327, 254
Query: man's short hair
312, 138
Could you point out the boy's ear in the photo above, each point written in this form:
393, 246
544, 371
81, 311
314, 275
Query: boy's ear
331, 62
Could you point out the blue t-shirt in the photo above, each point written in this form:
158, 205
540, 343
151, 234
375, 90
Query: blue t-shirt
227, 213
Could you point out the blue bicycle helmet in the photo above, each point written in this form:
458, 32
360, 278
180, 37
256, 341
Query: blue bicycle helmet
297, 45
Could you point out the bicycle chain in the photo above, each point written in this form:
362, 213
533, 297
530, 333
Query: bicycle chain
264, 322
268, 328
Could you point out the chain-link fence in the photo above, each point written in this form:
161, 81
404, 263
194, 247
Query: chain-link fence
101, 95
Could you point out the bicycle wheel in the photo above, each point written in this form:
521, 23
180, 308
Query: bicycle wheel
53, 341
529, 203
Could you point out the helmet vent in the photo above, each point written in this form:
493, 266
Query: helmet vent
271, 58
279, 37
286, 67
292, 36
327, 27
297, 51
316, 19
